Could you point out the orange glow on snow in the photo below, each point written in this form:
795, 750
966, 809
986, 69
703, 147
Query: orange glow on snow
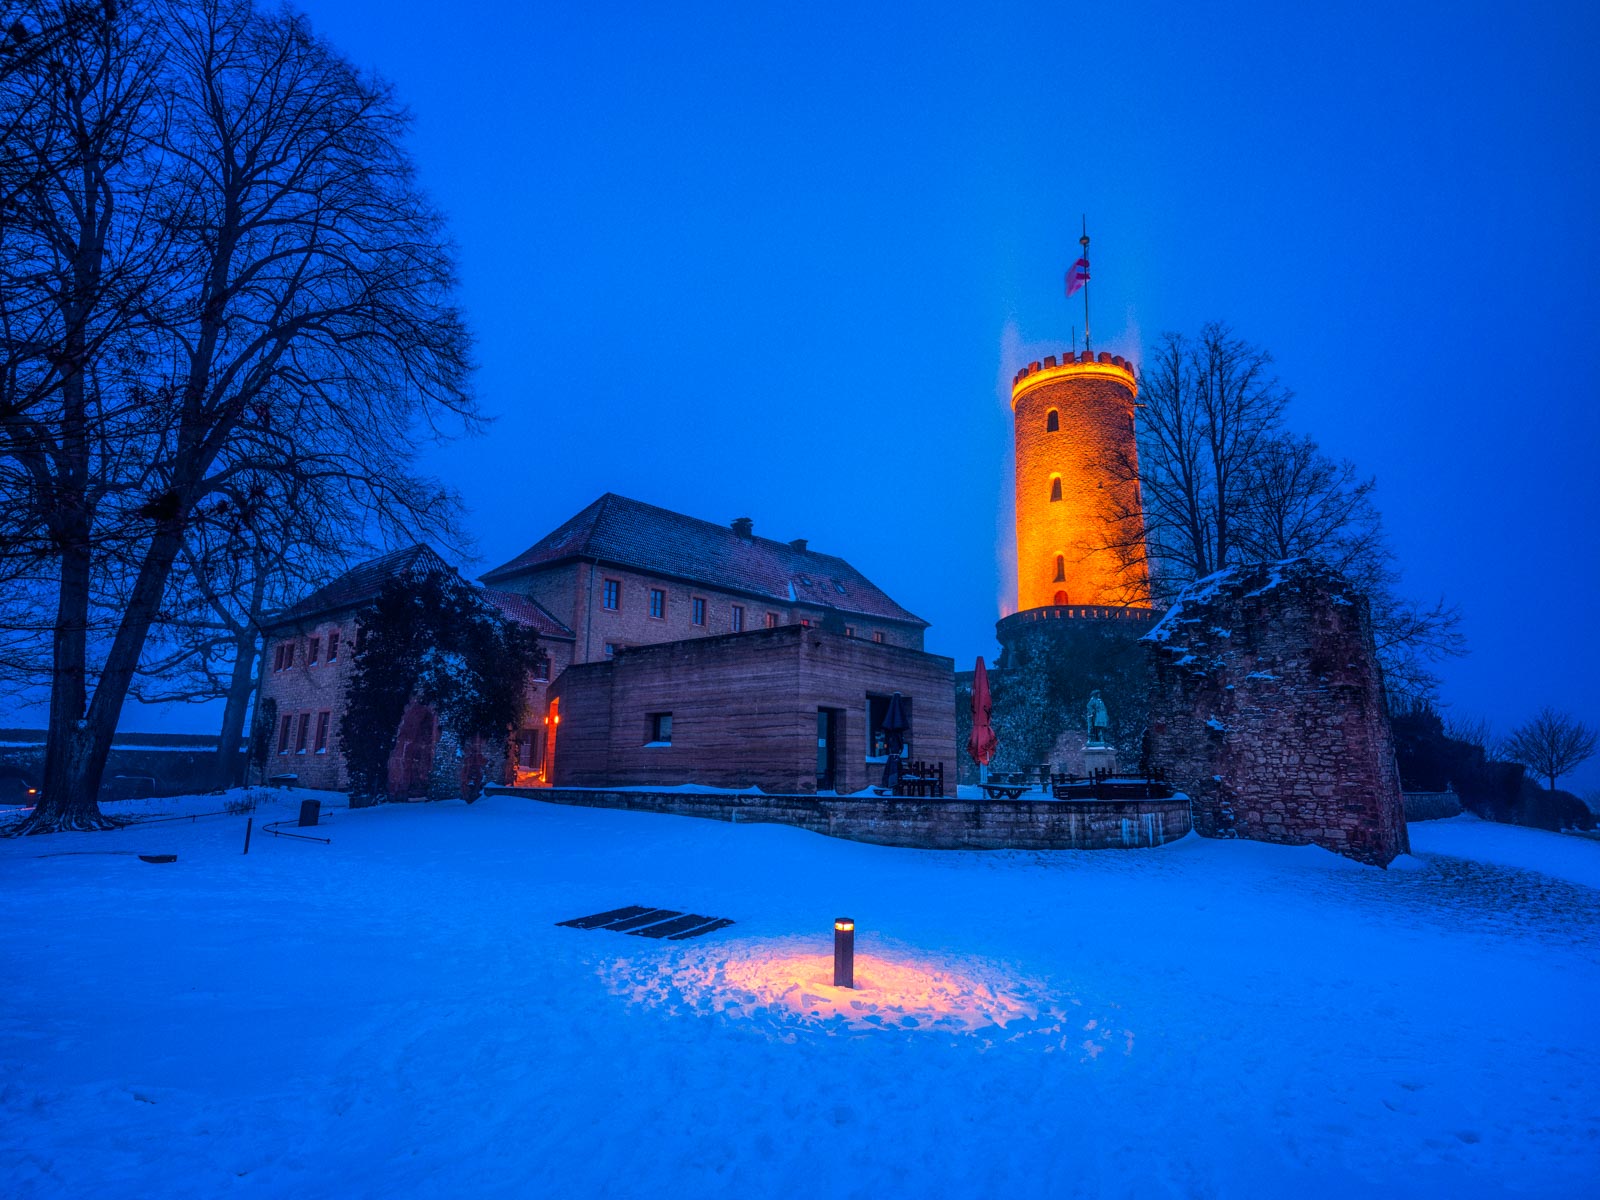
889, 993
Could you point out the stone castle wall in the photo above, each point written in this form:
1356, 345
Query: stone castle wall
1267, 707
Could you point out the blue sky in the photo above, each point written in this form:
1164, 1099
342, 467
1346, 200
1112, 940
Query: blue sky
739, 259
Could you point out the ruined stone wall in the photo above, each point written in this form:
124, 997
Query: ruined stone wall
1267, 707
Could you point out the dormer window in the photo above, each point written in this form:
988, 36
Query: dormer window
838, 587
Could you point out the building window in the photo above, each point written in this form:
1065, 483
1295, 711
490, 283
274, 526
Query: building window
805, 622
611, 649
772, 620
312, 648
877, 738
333, 646
541, 667
323, 720
1055, 487
877, 635
849, 631
303, 734
1061, 598
660, 729
1061, 569
1052, 421
658, 604
738, 618
283, 735
699, 611
611, 595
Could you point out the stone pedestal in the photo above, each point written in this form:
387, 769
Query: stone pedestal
1099, 758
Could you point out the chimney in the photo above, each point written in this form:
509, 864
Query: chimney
744, 527
799, 544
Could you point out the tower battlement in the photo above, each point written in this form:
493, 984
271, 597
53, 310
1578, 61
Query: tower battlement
1112, 366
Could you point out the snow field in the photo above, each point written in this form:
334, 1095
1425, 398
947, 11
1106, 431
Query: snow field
397, 1014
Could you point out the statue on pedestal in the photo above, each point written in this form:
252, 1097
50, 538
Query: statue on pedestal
1097, 719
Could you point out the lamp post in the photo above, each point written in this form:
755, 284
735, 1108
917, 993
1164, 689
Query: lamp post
844, 953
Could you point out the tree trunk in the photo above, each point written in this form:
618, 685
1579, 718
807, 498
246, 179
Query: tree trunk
230, 760
79, 742
72, 770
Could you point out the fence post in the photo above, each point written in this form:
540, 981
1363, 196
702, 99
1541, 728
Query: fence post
249, 821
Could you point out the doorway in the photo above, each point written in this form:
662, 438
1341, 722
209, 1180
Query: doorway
827, 749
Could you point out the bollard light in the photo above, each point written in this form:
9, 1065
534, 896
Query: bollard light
844, 953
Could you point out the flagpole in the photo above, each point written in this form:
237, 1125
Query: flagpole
1084, 242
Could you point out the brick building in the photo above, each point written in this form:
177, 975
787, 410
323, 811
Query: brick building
618, 575
790, 710
622, 573
306, 668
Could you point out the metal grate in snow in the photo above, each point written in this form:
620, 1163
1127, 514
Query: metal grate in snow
644, 921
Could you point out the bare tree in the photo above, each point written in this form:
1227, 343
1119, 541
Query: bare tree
1298, 502
81, 256
260, 544
1208, 407
299, 313
1552, 744
1218, 481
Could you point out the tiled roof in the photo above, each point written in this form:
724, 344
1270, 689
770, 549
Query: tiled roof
628, 533
362, 583
528, 611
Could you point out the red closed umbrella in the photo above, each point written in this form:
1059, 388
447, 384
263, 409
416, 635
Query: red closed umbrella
981, 742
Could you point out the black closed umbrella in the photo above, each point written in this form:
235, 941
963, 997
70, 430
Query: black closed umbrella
896, 723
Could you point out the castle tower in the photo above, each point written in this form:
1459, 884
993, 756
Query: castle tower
1081, 608
1073, 419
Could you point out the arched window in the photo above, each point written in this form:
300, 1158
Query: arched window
1061, 568
1061, 597
1055, 487
1052, 421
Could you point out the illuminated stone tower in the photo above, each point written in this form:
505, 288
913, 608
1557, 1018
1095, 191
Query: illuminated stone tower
1079, 524
1081, 607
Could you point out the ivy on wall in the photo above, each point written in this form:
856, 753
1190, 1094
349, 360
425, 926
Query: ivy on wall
266, 721
432, 639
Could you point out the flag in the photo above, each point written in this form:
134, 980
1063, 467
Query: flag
1078, 275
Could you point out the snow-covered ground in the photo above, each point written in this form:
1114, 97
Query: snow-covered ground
398, 1014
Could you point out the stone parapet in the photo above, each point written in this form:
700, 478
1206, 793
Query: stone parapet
926, 824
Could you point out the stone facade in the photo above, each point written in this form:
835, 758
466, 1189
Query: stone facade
744, 712
308, 694
1267, 707
942, 824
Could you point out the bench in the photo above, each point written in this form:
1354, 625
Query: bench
921, 779
1004, 791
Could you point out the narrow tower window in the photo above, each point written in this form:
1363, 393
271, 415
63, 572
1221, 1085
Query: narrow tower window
1052, 421
1055, 487
1061, 597
1061, 568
